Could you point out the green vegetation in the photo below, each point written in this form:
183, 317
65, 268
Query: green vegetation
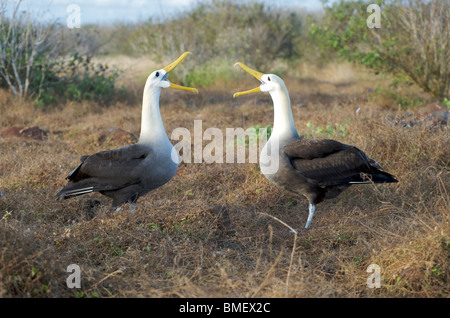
76, 80
219, 31
446, 103
328, 131
206, 74
53, 65
412, 42
33, 63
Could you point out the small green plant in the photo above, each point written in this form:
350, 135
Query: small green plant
359, 260
342, 237
328, 131
260, 130
255, 133
178, 226
307, 242
81, 294
5, 216
154, 226
446, 103
436, 271
157, 227
33, 272
116, 251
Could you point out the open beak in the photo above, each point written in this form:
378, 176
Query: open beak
256, 74
171, 66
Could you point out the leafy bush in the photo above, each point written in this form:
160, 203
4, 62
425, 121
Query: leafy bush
76, 80
31, 65
412, 42
218, 31
208, 73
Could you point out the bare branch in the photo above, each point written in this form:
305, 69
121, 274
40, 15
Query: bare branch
21, 42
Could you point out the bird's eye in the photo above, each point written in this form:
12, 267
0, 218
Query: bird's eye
157, 74
268, 78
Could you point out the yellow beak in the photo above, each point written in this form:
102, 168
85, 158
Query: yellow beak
191, 89
256, 74
171, 66
255, 90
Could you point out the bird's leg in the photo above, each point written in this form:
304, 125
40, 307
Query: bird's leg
133, 202
312, 209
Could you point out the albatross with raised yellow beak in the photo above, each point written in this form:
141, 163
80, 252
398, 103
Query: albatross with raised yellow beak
127, 173
315, 168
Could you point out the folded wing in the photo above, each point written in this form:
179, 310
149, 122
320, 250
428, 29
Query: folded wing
329, 162
106, 170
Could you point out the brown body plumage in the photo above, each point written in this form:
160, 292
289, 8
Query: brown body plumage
321, 169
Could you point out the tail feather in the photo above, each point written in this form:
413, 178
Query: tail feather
67, 192
384, 177
380, 177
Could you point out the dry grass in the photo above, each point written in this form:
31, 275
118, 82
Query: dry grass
221, 230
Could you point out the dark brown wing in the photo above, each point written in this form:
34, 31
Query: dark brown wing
113, 164
329, 162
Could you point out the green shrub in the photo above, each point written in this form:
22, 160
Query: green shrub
208, 73
31, 65
217, 31
412, 42
76, 80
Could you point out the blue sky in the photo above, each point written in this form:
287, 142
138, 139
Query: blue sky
110, 11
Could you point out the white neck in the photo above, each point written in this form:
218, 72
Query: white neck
152, 128
283, 124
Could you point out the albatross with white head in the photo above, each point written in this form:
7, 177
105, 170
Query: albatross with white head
318, 169
127, 173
